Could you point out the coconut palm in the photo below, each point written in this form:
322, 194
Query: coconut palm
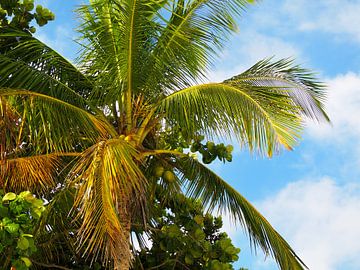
97, 129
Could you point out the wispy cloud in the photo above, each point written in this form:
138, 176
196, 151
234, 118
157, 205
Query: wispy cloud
343, 107
321, 220
248, 48
61, 40
339, 17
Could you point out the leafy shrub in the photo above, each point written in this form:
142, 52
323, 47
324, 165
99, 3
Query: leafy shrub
184, 237
18, 217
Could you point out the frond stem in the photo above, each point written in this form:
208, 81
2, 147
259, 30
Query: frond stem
111, 32
161, 152
142, 132
65, 154
128, 94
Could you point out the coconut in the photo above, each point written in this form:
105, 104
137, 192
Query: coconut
169, 176
158, 171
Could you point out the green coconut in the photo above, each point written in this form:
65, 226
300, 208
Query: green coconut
158, 171
169, 176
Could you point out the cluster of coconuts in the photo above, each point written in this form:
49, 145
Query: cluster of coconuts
167, 175
210, 151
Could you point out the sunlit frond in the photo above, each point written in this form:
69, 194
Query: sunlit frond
262, 116
54, 125
293, 80
36, 173
215, 193
30, 64
114, 37
189, 39
259, 118
105, 177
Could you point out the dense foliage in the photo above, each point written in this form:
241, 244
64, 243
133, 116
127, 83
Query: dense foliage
19, 215
182, 236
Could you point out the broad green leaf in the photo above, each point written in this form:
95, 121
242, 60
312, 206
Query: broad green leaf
4, 212
26, 261
37, 203
23, 243
12, 228
9, 197
189, 259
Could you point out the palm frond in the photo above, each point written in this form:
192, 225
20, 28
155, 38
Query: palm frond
262, 116
293, 80
54, 125
56, 232
105, 175
30, 64
215, 193
35, 173
189, 40
259, 118
114, 34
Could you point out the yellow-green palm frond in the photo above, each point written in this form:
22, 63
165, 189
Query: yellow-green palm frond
54, 125
114, 38
189, 39
291, 79
29, 64
262, 116
260, 119
105, 177
215, 193
36, 173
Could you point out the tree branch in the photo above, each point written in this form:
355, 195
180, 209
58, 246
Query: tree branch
50, 265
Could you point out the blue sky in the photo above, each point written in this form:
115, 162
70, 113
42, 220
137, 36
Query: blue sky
312, 194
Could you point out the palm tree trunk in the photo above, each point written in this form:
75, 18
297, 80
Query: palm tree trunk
2, 129
125, 220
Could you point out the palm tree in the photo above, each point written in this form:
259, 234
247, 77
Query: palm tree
96, 129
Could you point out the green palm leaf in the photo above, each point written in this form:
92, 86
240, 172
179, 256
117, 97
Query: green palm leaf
55, 233
248, 113
189, 40
50, 122
114, 35
262, 116
32, 65
217, 194
299, 83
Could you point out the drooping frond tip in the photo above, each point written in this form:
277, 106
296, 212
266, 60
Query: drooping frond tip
215, 193
300, 84
264, 107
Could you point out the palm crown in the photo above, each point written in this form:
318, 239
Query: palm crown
95, 131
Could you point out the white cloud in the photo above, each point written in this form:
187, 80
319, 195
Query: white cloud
343, 107
331, 16
248, 48
320, 220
